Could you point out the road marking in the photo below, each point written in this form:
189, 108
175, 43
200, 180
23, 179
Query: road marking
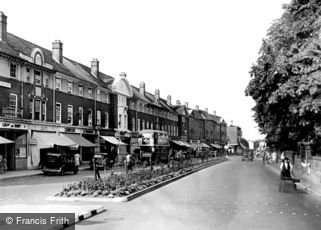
293, 213
281, 212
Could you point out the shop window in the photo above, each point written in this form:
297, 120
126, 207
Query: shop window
13, 70
80, 116
58, 112
70, 114
21, 146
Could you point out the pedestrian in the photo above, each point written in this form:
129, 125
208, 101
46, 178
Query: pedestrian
282, 157
286, 168
128, 162
97, 174
274, 157
77, 162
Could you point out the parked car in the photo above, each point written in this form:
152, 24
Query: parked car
59, 163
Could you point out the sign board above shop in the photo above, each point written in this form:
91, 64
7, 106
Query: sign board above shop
5, 84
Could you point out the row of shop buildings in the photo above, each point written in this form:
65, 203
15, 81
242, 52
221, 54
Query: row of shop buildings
49, 102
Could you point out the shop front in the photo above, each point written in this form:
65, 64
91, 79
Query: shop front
114, 148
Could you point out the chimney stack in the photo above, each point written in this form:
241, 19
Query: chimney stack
57, 51
186, 104
122, 74
178, 102
157, 94
206, 110
95, 67
197, 107
214, 112
3, 27
169, 100
142, 88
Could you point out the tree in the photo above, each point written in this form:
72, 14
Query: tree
286, 79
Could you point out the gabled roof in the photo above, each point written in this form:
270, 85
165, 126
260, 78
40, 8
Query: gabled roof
16, 46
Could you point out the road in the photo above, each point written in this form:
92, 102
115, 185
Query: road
232, 195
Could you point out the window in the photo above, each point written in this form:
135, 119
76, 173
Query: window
70, 114
125, 121
90, 117
43, 111
133, 124
107, 98
80, 116
58, 112
38, 59
28, 75
69, 89
147, 124
13, 103
143, 124
46, 81
31, 109
38, 91
37, 110
58, 84
119, 121
138, 124
37, 77
98, 94
90, 93
13, 70
81, 90
151, 125
98, 119
106, 120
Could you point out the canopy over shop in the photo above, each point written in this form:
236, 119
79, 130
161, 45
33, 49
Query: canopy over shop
114, 148
3, 152
43, 142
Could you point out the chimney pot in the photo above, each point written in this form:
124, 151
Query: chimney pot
186, 104
3, 27
206, 110
178, 102
214, 112
197, 107
157, 93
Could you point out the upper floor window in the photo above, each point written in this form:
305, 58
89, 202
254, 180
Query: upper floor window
38, 59
43, 111
98, 119
90, 93
58, 83
58, 112
69, 89
13, 70
106, 120
80, 116
133, 124
81, 90
107, 98
70, 114
45, 81
90, 117
37, 77
98, 94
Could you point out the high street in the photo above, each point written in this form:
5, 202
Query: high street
231, 195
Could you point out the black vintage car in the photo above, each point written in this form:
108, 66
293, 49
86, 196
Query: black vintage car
59, 163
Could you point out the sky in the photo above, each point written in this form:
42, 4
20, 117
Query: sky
197, 51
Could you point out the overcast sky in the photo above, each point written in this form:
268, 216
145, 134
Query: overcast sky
197, 51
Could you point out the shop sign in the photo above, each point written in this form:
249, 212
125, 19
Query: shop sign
5, 84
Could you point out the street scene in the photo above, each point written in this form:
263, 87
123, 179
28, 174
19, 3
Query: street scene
160, 114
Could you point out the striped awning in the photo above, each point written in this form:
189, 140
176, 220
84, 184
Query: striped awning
180, 143
205, 145
113, 140
79, 140
49, 140
216, 146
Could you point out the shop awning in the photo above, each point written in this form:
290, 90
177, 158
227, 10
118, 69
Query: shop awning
113, 140
242, 146
5, 141
48, 140
186, 144
197, 145
216, 146
178, 143
205, 145
79, 140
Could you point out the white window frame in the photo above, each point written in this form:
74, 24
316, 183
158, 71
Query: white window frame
98, 118
32, 108
40, 104
90, 117
13, 70
43, 111
90, 93
81, 92
69, 87
58, 81
98, 95
107, 98
81, 112
71, 114
58, 121
133, 124
138, 124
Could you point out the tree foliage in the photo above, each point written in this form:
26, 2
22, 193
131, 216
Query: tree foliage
286, 79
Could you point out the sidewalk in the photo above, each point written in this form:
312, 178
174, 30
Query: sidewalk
305, 182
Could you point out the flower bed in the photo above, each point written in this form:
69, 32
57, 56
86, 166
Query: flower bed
118, 185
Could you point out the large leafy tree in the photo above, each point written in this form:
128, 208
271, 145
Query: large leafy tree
286, 79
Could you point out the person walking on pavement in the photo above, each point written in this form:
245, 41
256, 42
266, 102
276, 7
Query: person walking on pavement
77, 162
286, 168
97, 174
